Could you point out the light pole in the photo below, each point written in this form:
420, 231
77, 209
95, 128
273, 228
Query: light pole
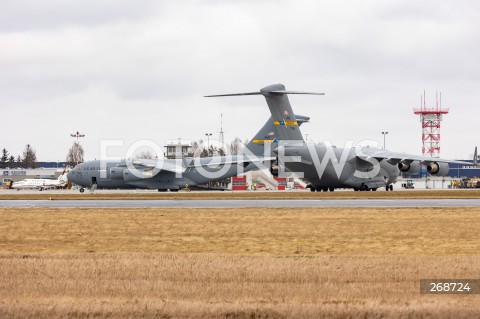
77, 135
384, 133
208, 142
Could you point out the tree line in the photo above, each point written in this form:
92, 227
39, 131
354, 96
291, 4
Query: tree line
28, 160
75, 154
198, 149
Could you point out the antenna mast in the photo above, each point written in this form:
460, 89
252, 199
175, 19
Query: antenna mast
221, 137
431, 119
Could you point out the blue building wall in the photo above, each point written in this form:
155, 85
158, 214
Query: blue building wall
463, 171
454, 171
51, 164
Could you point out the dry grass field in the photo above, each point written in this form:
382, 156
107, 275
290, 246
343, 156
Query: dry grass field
184, 195
163, 285
275, 231
236, 263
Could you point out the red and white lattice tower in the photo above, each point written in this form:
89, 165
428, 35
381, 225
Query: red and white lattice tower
431, 118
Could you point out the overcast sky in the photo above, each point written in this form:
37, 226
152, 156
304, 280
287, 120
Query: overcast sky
134, 70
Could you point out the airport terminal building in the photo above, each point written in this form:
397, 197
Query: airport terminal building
464, 171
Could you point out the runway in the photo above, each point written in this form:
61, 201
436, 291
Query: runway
239, 203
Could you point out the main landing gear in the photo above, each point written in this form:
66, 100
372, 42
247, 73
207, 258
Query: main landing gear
364, 188
320, 189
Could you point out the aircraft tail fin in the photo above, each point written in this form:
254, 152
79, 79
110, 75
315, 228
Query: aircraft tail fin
475, 157
268, 134
63, 177
284, 120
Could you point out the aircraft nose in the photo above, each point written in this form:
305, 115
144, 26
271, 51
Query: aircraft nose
70, 176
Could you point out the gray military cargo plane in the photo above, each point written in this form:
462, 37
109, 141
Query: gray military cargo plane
171, 174
327, 167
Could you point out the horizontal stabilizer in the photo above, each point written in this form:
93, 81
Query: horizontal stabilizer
284, 121
272, 92
295, 92
234, 94
274, 89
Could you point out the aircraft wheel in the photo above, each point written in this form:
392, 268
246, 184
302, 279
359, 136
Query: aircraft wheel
162, 190
82, 190
355, 189
331, 189
40, 189
325, 189
391, 188
374, 189
311, 188
173, 190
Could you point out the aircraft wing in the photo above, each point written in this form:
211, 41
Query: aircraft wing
395, 157
180, 166
167, 165
227, 160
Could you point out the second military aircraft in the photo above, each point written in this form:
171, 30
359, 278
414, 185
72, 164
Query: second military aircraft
325, 166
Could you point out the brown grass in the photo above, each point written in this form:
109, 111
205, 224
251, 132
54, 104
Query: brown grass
278, 231
135, 285
236, 263
380, 194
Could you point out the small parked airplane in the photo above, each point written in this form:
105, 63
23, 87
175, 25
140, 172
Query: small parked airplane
41, 183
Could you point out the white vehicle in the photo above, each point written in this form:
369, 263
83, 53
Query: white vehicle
41, 183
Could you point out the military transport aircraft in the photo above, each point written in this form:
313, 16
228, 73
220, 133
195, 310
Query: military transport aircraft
170, 174
325, 166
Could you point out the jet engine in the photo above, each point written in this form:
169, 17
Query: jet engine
410, 168
440, 169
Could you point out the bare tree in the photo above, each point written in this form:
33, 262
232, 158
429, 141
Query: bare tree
197, 148
75, 154
144, 155
236, 146
204, 153
29, 157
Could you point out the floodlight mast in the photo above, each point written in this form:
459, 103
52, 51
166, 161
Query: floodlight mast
77, 135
